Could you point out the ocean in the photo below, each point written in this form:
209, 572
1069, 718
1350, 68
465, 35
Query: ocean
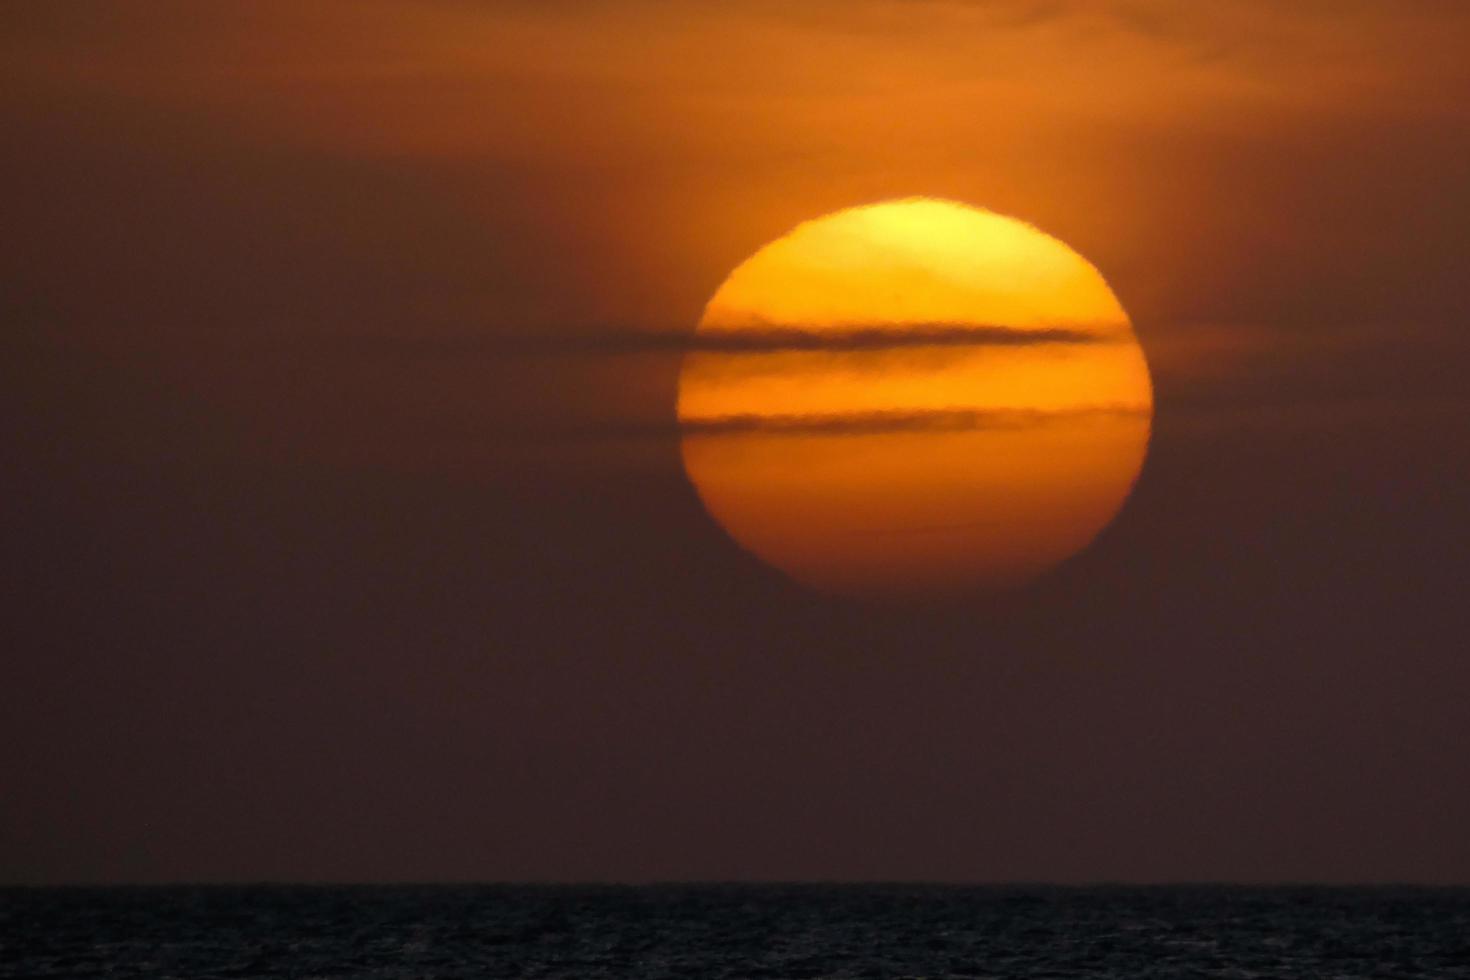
800, 932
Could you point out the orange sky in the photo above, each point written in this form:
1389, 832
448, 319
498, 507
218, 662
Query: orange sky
340, 341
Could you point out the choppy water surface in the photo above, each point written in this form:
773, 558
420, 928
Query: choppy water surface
753, 931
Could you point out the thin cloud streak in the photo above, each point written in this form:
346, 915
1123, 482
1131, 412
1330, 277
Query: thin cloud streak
834, 424
849, 423
632, 341
859, 338
898, 421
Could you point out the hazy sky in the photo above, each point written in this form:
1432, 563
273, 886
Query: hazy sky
346, 531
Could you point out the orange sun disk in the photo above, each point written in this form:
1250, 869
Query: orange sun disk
912, 398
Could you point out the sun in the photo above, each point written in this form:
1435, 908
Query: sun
914, 397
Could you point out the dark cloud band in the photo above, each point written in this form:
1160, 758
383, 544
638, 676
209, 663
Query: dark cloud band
877, 338
775, 339
883, 422
754, 341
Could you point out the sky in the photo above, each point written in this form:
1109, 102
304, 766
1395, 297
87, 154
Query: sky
346, 532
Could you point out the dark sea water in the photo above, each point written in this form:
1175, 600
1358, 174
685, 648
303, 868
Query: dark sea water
765, 931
